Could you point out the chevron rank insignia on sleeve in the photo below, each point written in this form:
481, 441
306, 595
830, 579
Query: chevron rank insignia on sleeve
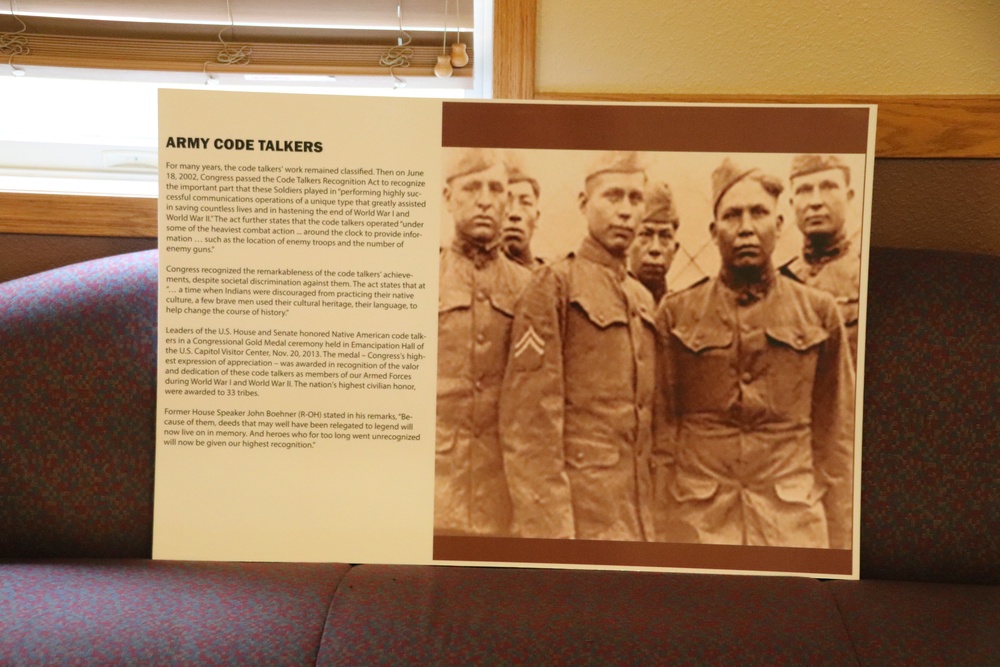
529, 349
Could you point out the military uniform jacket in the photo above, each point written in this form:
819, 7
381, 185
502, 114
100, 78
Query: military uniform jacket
576, 408
755, 420
475, 311
840, 276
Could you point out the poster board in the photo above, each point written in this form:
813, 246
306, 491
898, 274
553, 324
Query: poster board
301, 240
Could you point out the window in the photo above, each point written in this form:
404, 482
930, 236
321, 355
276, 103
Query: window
81, 117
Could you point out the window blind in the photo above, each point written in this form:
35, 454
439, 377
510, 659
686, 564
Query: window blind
348, 37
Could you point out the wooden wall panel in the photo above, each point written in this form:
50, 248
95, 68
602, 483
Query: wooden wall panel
77, 215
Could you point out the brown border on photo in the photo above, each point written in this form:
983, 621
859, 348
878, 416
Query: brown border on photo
722, 129
643, 554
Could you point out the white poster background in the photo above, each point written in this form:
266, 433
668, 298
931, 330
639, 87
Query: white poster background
354, 501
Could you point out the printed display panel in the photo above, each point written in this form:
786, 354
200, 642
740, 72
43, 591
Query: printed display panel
645, 349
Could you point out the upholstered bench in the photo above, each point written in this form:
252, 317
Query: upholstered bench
77, 586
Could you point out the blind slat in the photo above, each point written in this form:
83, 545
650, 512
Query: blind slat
371, 14
186, 56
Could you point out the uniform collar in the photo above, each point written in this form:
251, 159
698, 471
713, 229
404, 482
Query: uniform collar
478, 253
748, 292
595, 252
657, 290
821, 253
525, 259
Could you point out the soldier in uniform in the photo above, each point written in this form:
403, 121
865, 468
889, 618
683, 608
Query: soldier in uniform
755, 419
831, 254
479, 287
654, 247
522, 216
576, 407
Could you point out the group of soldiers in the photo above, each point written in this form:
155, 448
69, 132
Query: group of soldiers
580, 399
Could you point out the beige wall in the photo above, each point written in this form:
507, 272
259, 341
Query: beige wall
916, 47
804, 47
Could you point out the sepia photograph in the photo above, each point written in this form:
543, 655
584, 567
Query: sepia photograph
648, 357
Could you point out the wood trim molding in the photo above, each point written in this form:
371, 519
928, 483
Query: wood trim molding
514, 30
77, 215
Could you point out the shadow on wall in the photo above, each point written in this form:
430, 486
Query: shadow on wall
24, 254
943, 204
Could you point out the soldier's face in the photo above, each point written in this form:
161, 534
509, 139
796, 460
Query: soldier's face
522, 215
477, 202
613, 204
746, 226
821, 201
652, 251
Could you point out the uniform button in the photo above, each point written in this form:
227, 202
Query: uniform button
479, 385
746, 377
481, 338
481, 295
579, 456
